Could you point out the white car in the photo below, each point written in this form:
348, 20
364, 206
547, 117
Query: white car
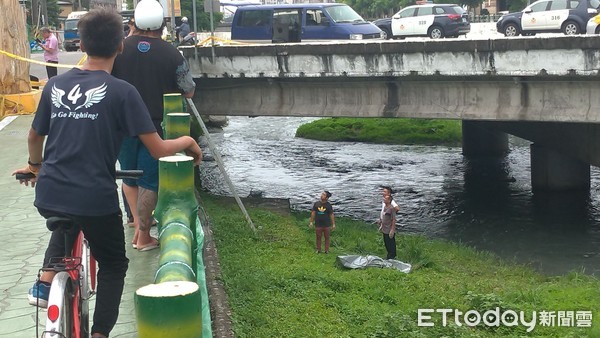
566, 16
433, 20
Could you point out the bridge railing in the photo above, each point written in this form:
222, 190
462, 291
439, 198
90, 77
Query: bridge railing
484, 18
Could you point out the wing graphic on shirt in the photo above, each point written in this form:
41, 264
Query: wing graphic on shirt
93, 96
57, 95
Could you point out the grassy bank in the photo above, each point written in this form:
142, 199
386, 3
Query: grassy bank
278, 286
384, 130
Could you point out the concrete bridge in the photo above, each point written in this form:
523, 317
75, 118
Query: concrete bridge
542, 89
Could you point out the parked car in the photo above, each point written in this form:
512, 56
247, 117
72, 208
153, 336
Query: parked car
385, 25
593, 25
303, 21
567, 16
433, 20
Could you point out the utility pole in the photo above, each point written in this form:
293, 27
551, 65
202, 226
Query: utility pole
173, 34
35, 12
44, 10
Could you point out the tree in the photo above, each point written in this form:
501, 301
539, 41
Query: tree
14, 74
516, 5
370, 9
48, 8
202, 16
470, 3
53, 12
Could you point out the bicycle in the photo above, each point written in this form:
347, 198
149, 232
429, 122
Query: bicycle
75, 281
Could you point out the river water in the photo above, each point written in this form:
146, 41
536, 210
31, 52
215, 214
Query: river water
485, 203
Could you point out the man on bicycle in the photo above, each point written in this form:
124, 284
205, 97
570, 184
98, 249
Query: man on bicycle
85, 114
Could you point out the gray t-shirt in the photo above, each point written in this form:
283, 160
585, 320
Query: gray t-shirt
388, 219
85, 115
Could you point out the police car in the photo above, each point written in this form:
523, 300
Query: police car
593, 26
433, 20
567, 16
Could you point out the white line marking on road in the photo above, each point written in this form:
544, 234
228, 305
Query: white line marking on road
6, 121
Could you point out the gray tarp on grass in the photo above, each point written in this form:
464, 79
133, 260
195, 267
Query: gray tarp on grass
361, 262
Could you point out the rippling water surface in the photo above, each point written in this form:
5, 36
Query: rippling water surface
486, 203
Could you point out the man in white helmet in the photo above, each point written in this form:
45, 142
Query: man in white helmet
154, 67
184, 29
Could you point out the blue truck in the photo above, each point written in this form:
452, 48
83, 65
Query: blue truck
71, 39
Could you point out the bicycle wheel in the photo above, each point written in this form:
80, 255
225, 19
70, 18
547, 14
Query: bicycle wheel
59, 322
85, 290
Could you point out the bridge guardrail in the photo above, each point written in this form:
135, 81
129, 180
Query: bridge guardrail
484, 18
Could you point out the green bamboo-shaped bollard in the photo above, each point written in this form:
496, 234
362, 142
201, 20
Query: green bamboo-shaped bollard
172, 103
175, 214
171, 309
176, 125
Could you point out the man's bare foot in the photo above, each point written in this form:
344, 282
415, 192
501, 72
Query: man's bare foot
151, 245
134, 241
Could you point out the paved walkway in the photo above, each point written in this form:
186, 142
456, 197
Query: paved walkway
24, 238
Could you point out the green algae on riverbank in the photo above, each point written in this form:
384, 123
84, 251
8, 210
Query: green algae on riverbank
384, 130
278, 287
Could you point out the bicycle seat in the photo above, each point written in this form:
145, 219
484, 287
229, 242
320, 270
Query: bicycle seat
55, 222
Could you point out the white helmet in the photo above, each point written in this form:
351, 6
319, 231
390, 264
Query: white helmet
148, 15
184, 19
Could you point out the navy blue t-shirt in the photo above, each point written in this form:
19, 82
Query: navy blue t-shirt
85, 115
154, 67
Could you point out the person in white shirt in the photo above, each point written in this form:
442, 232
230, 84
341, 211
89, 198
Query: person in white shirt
387, 191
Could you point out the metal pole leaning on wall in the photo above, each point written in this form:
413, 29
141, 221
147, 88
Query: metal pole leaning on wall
217, 156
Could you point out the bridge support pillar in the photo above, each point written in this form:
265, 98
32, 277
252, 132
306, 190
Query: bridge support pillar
478, 139
554, 171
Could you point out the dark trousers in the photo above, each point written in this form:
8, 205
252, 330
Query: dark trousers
107, 243
390, 246
320, 231
51, 71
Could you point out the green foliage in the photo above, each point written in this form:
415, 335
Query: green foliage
187, 11
470, 3
516, 5
203, 17
377, 8
384, 130
53, 12
278, 287
484, 302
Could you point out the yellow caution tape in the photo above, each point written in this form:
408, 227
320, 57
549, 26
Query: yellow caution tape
26, 103
221, 40
20, 58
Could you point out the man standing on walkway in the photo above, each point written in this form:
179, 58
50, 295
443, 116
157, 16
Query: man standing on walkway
154, 67
50, 47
